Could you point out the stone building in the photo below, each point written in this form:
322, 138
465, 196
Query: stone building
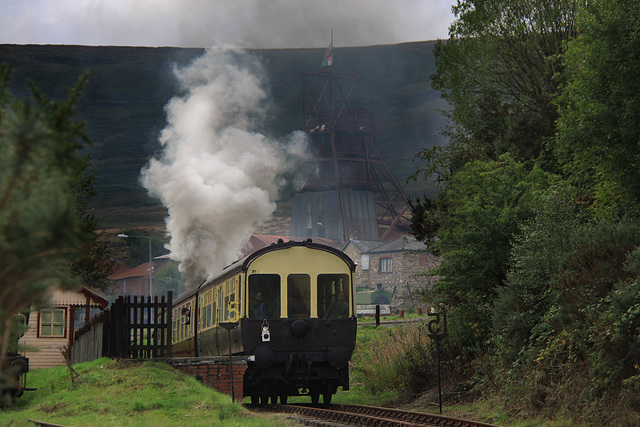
398, 266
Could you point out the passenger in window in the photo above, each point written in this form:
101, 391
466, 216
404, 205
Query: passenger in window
296, 305
338, 309
186, 316
260, 308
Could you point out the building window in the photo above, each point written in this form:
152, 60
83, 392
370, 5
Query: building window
52, 322
386, 265
365, 261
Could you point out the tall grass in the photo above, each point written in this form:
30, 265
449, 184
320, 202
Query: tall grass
398, 359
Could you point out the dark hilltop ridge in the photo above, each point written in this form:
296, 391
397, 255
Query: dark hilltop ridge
128, 88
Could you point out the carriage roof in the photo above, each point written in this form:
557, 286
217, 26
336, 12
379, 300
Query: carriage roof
243, 264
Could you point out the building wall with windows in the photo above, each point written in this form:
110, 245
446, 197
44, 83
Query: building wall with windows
397, 267
51, 327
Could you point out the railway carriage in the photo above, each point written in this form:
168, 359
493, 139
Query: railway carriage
292, 309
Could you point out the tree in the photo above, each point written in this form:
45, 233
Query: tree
138, 247
545, 240
485, 204
536, 258
48, 236
599, 127
39, 229
167, 278
499, 71
92, 262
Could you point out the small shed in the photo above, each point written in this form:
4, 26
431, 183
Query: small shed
51, 327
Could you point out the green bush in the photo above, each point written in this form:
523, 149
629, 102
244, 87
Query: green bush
567, 327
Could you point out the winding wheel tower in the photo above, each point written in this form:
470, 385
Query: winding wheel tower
345, 189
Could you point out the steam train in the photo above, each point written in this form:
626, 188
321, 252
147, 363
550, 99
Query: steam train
289, 308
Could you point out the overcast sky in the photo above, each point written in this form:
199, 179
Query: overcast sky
206, 23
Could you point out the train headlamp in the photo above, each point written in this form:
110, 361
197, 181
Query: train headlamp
266, 335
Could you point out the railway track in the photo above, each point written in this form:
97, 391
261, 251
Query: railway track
362, 415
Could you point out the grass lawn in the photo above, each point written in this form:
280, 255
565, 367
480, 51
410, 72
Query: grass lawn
111, 393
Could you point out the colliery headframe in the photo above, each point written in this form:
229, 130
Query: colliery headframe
346, 190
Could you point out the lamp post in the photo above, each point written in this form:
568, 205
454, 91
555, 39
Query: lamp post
126, 236
323, 232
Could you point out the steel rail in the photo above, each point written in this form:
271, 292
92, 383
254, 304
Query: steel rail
44, 423
374, 416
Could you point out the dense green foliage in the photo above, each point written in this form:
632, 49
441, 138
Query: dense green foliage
167, 278
39, 229
138, 247
499, 71
538, 217
483, 207
598, 131
48, 235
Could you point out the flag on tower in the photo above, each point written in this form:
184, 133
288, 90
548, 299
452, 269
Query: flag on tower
328, 56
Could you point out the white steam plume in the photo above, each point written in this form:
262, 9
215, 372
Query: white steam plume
216, 175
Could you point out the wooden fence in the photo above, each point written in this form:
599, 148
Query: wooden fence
89, 342
133, 328
140, 329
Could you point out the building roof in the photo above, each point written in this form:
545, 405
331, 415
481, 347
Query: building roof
77, 297
400, 244
363, 246
125, 272
259, 241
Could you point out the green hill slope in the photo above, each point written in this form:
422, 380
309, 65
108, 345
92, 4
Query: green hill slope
129, 87
122, 393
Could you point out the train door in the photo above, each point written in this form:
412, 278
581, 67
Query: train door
298, 296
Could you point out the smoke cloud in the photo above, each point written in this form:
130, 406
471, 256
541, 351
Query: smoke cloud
216, 174
204, 23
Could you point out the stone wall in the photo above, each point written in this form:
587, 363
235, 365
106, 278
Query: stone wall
214, 372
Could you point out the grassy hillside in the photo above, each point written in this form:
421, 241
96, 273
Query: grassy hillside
129, 87
121, 393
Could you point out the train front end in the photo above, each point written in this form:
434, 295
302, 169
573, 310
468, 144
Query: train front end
300, 325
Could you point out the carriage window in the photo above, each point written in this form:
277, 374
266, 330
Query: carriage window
333, 296
298, 295
264, 295
207, 316
230, 308
185, 321
174, 325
